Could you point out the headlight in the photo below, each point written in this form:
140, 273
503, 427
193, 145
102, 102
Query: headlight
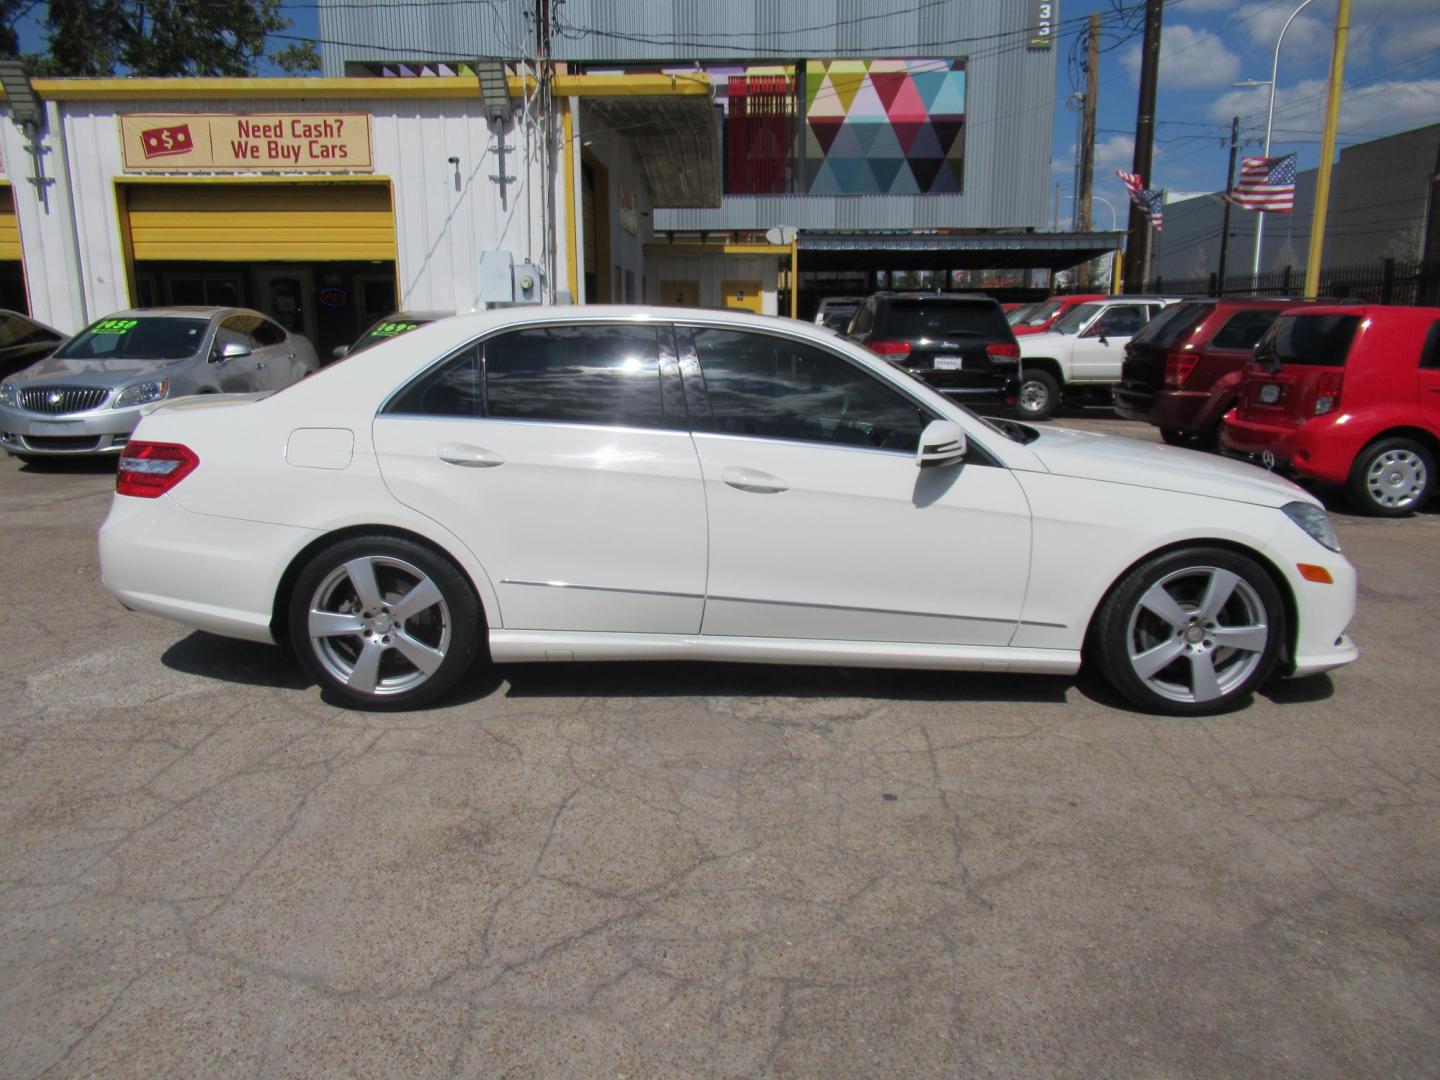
141, 393
1314, 521
9, 395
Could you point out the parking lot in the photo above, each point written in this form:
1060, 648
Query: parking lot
684, 870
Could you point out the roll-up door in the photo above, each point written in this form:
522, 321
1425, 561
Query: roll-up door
223, 222
9, 230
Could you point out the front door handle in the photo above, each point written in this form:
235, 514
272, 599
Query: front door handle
754, 481
472, 457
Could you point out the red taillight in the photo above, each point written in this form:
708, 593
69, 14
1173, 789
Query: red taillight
149, 469
1327, 391
1178, 369
1003, 350
888, 348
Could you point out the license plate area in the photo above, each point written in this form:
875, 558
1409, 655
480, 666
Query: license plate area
949, 363
58, 427
1269, 394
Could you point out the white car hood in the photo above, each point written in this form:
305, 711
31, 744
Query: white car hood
1116, 459
1044, 344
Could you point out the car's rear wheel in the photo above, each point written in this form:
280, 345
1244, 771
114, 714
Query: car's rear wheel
1392, 478
384, 622
1190, 632
1039, 395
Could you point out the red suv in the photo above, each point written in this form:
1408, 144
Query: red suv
1347, 395
1182, 372
1047, 311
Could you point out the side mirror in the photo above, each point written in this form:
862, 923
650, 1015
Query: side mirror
340, 352
941, 443
231, 350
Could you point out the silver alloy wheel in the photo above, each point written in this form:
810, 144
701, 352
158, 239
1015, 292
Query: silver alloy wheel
1396, 478
1197, 634
379, 625
1034, 396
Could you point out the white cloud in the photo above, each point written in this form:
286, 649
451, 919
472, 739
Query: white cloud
1378, 109
1308, 38
1189, 59
1412, 40
1115, 152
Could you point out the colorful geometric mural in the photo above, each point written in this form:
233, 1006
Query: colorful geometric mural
884, 127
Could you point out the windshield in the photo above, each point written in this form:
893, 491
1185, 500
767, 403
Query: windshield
137, 338
1172, 324
1074, 319
384, 330
1315, 340
915, 320
1044, 311
1020, 314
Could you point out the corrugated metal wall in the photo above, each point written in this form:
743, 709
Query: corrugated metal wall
1010, 89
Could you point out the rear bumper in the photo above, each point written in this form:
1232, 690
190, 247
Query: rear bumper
1316, 450
1183, 410
998, 388
1132, 402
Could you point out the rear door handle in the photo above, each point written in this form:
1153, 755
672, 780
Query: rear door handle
472, 457
753, 481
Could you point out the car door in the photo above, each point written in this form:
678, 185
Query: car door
1429, 380
821, 526
550, 452
1099, 351
237, 374
274, 349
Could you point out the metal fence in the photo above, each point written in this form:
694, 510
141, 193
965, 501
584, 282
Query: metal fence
1392, 281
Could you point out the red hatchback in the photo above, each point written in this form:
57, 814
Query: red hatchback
1347, 395
1047, 311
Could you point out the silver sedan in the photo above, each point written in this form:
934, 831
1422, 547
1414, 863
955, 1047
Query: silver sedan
87, 397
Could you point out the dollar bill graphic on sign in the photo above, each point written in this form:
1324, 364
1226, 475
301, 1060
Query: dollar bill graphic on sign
166, 141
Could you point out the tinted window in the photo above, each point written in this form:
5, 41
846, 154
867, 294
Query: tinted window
17, 331
1075, 318
913, 320
1430, 354
141, 338
384, 330
774, 388
1122, 321
268, 333
864, 319
452, 389
1173, 323
1321, 340
575, 374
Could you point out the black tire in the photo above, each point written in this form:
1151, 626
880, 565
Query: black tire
1191, 440
1039, 395
382, 664
1129, 635
1391, 478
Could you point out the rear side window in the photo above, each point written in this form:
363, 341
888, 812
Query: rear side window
1430, 354
451, 389
576, 374
1244, 329
1172, 324
911, 320
1316, 340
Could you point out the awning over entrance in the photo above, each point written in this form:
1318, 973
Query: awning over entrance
968, 251
676, 141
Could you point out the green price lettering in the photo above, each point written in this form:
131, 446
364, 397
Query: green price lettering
114, 326
390, 329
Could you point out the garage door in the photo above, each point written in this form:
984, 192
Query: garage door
9, 231
276, 222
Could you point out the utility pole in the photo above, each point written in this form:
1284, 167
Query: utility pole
1229, 189
1056, 226
545, 70
1327, 151
1138, 247
1087, 137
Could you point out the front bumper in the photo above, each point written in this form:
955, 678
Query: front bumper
98, 431
1321, 640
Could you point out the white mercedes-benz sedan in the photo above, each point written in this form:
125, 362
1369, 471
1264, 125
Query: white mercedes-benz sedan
591, 483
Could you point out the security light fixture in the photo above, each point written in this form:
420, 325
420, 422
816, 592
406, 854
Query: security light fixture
25, 107
494, 88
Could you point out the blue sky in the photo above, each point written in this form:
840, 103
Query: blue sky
1392, 84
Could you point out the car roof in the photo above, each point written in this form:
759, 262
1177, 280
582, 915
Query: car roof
922, 295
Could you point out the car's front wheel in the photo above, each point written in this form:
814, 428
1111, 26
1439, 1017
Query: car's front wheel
1392, 478
1039, 395
384, 622
1190, 632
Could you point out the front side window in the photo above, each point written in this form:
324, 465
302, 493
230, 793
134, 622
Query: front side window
774, 388
596, 374
137, 338
1122, 321
268, 333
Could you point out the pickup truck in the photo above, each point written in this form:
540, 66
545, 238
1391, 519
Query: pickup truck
1081, 355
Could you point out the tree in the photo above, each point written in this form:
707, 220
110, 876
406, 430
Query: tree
159, 37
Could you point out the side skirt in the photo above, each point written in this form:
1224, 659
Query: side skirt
541, 646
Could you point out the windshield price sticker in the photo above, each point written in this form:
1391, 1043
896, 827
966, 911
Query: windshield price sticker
271, 142
114, 326
390, 329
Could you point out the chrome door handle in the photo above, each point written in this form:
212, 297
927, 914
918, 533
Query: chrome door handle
753, 481
260, 365
472, 457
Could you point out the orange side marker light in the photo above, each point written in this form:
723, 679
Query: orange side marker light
1317, 574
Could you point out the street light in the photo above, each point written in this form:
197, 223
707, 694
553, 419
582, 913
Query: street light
1114, 227
1269, 126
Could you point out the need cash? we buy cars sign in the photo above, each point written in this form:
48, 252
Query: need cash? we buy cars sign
275, 142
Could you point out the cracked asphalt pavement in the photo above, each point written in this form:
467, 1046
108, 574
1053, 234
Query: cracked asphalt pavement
649, 870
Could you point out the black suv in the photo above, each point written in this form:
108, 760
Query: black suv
959, 343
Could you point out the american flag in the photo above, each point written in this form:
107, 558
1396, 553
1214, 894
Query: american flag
1151, 201
1266, 183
